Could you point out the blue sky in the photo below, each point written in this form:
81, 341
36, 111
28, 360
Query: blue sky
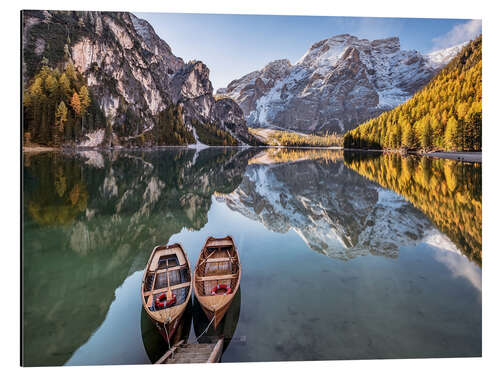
234, 45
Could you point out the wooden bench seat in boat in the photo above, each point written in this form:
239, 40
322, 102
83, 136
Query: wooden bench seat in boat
219, 243
171, 269
215, 260
153, 265
156, 291
217, 277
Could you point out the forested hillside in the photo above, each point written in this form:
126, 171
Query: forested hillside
445, 114
58, 106
59, 109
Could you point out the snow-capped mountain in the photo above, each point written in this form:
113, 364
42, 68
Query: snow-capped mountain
339, 83
439, 58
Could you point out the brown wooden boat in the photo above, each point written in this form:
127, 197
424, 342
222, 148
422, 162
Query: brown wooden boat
217, 277
166, 288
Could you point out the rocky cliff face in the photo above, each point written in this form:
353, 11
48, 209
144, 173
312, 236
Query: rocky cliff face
232, 118
130, 70
339, 83
191, 87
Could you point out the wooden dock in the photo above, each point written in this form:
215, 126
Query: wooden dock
193, 353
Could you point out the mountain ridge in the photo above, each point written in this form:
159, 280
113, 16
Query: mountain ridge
131, 71
338, 83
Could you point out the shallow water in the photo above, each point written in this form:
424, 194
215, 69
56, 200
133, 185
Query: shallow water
344, 256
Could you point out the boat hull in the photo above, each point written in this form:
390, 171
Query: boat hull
168, 331
166, 320
219, 313
214, 305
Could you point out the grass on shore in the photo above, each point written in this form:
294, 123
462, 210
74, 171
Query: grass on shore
290, 155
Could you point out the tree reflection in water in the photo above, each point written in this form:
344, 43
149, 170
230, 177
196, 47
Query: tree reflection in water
448, 192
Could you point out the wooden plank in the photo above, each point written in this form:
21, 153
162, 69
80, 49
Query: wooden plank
214, 260
153, 266
174, 287
171, 269
216, 352
152, 285
219, 243
206, 259
217, 277
165, 356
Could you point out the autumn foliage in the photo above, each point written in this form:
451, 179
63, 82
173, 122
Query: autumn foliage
58, 107
449, 193
446, 114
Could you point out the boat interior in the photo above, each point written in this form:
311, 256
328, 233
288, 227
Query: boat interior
218, 265
168, 276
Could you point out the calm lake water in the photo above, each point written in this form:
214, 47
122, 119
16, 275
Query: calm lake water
344, 255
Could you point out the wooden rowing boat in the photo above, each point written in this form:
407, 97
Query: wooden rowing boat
154, 344
225, 329
166, 288
217, 277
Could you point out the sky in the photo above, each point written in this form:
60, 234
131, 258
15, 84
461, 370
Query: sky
234, 45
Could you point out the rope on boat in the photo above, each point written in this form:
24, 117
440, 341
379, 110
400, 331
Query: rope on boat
206, 329
168, 338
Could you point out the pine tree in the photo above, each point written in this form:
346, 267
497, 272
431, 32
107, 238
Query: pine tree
426, 136
84, 103
409, 137
65, 86
43, 136
71, 72
61, 118
84, 99
61, 115
76, 104
451, 134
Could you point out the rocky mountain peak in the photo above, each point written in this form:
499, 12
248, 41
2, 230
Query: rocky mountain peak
439, 58
387, 45
338, 83
191, 81
276, 68
131, 72
328, 51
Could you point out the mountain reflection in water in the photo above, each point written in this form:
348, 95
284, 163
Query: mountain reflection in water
92, 218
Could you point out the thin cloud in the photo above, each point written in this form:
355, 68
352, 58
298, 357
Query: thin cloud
459, 34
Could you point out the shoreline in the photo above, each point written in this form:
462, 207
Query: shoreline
35, 149
38, 149
472, 157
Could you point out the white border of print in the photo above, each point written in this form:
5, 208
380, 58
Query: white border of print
10, 322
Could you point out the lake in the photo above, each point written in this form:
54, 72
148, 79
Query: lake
345, 255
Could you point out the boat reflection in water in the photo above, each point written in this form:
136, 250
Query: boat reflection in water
154, 344
225, 329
